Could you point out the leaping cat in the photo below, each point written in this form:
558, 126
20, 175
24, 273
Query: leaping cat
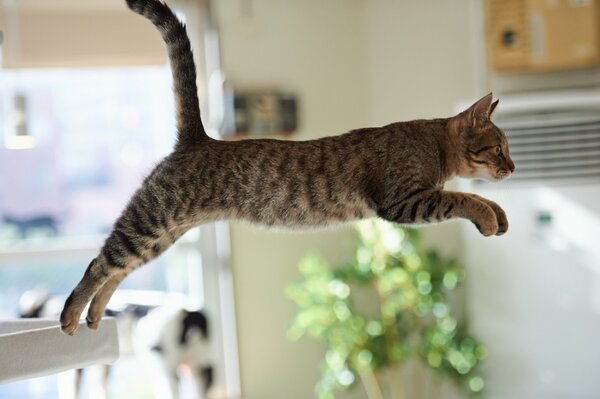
395, 172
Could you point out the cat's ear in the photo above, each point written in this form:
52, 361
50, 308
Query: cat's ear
492, 108
480, 112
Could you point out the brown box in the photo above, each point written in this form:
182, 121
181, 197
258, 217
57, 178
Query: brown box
542, 35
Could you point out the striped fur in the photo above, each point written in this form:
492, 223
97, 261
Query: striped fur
396, 172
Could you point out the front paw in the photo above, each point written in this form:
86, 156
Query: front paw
487, 223
500, 218
502, 221
500, 215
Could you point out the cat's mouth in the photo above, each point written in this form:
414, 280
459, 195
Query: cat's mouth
491, 175
502, 174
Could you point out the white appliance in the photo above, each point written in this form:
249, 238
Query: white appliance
534, 293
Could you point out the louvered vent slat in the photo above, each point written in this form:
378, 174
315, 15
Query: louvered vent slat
548, 159
554, 145
555, 134
546, 148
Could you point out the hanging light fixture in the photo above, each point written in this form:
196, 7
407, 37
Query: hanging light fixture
21, 139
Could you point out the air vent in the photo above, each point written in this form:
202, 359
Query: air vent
554, 146
553, 137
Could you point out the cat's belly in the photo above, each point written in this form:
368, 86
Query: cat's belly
307, 218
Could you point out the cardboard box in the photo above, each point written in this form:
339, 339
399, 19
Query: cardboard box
542, 35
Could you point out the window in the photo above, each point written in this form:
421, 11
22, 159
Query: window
74, 144
94, 134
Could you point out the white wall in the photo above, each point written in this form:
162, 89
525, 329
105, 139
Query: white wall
353, 63
418, 58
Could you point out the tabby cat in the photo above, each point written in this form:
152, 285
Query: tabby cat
395, 172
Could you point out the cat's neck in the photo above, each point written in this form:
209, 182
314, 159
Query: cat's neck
451, 148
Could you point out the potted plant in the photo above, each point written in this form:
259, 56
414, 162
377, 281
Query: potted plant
389, 304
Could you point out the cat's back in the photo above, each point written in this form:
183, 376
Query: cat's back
273, 154
368, 148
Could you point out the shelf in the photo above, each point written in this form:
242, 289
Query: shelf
37, 347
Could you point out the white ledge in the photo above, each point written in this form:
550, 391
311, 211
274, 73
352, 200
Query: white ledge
37, 347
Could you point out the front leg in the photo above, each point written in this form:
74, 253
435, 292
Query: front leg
436, 205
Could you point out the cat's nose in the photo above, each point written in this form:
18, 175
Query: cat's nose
511, 166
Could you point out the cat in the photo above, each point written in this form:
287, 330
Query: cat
395, 172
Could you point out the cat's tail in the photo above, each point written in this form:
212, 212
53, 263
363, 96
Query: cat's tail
189, 123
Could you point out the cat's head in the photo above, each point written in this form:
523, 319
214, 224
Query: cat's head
484, 147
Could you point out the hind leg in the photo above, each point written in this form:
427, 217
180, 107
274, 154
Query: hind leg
103, 277
96, 275
103, 295
101, 298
